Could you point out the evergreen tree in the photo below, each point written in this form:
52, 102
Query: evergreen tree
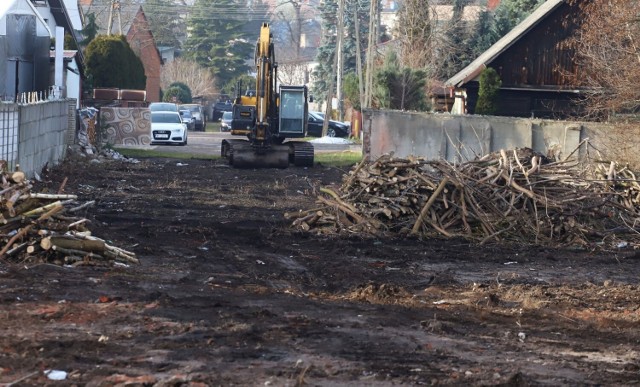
218, 38
510, 13
90, 30
488, 93
110, 62
400, 87
483, 35
187, 96
176, 94
351, 90
329, 10
326, 51
165, 26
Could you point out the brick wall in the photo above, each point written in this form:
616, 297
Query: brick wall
142, 43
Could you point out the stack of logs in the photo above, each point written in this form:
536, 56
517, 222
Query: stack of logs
45, 228
516, 196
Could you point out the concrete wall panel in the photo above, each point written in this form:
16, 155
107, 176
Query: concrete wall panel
462, 138
42, 132
475, 138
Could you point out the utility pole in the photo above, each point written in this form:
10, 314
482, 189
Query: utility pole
371, 49
340, 69
336, 55
119, 15
115, 6
110, 20
359, 56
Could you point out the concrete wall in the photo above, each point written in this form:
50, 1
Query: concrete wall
462, 138
44, 133
36, 134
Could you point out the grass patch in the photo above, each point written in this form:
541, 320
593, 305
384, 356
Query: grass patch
338, 159
332, 159
169, 154
211, 127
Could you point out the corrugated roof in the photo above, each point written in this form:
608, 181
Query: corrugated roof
475, 68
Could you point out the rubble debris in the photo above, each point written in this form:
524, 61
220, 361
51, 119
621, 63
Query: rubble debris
45, 227
507, 196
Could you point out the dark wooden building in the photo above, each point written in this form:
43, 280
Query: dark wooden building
533, 62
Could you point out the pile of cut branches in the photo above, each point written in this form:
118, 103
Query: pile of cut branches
516, 196
45, 227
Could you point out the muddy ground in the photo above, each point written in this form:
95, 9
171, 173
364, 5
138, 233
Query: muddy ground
228, 294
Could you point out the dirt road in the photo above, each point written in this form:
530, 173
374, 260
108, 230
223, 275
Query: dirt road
228, 294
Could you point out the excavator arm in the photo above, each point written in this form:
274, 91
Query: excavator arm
265, 84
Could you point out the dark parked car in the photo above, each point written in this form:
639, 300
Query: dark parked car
188, 119
335, 129
219, 108
197, 111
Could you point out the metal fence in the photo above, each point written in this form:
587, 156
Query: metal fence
9, 114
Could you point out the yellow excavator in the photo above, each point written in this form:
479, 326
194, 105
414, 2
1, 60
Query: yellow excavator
268, 116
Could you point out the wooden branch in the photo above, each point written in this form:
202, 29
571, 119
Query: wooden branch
427, 206
43, 209
48, 196
69, 242
26, 229
82, 206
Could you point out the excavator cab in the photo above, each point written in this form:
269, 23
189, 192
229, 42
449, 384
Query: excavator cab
293, 111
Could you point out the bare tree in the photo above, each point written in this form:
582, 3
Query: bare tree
432, 38
199, 79
416, 34
289, 12
606, 47
293, 73
607, 55
291, 15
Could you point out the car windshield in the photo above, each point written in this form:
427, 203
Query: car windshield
185, 113
165, 118
226, 115
167, 107
193, 108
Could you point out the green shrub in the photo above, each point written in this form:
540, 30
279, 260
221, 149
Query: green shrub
488, 93
176, 94
188, 98
110, 62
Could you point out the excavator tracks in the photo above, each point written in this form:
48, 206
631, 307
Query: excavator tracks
241, 154
302, 155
